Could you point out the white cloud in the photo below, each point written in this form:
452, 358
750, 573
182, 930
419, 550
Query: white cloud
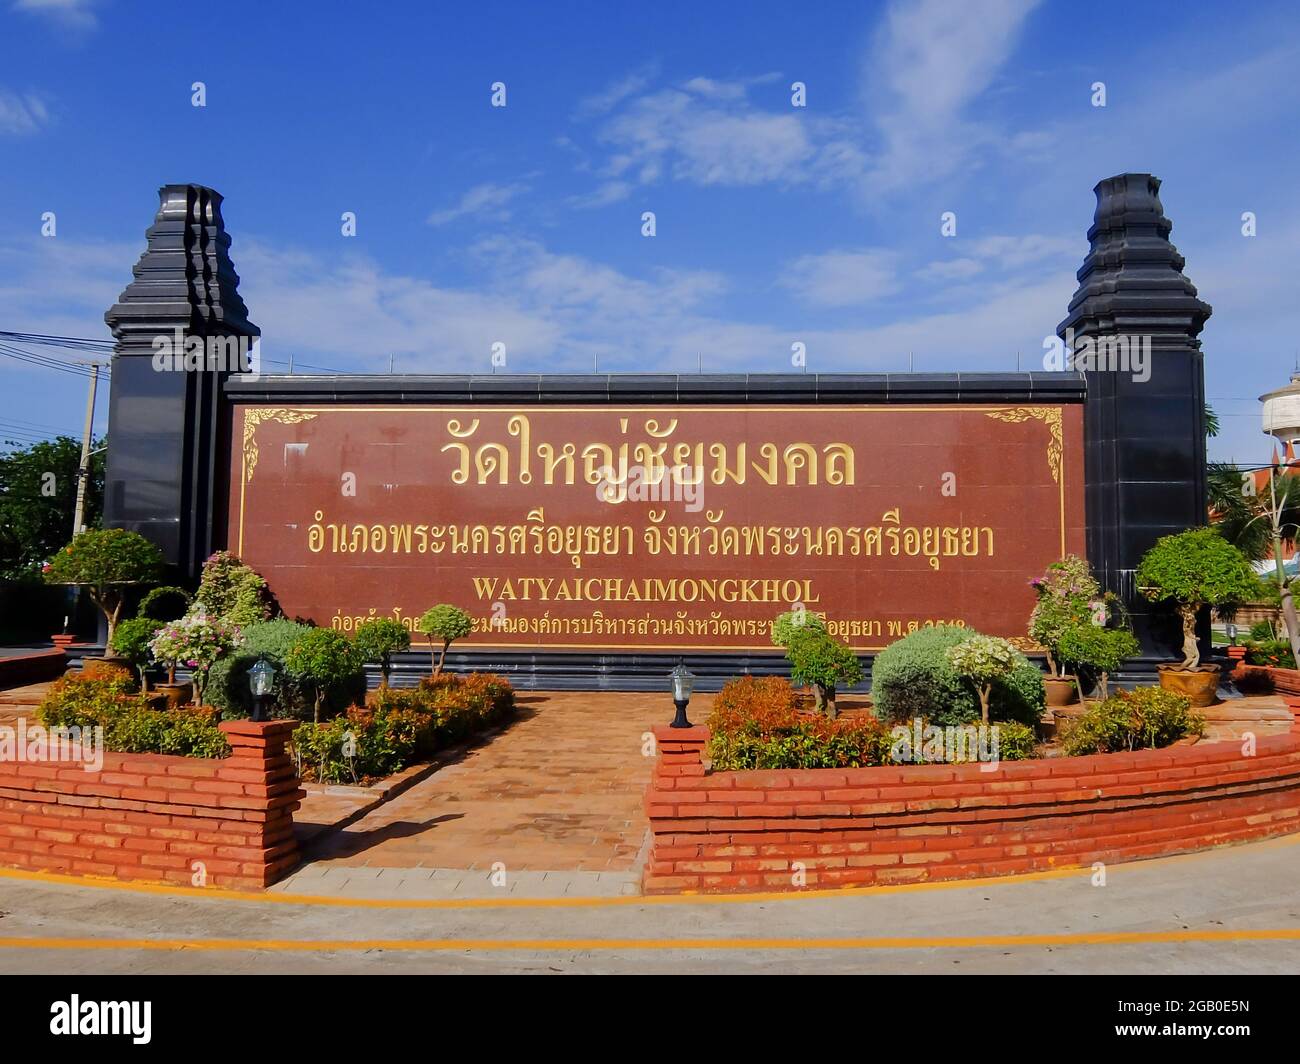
482, 201
707, 132
610, 97
1005, 253
843, 278
929, 61
22, 113
605, 194
78, 15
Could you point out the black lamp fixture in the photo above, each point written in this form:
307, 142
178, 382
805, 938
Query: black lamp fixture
683, 683
261, 682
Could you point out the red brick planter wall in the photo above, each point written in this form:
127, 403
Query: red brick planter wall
729, 831
151, 816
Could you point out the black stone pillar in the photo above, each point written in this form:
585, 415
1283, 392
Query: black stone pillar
1144, 464
163, 423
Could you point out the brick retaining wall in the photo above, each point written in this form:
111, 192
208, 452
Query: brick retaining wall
729, 831
152, 816
34, 667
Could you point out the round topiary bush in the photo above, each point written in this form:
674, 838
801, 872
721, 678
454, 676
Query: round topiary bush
913, 678
164, 604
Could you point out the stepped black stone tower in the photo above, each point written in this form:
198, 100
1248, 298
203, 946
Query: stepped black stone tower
164, 424
1145, 439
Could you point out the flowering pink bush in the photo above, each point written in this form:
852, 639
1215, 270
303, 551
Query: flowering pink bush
195, 641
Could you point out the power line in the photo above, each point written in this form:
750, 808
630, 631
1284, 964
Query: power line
78, 343
44, 361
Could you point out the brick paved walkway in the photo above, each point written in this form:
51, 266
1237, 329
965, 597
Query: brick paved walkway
556, 798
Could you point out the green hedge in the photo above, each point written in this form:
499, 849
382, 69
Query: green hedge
1144, 718
131, 725
401, 727
761, 723
912, 678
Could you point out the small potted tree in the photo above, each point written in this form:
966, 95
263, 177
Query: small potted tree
445, 623
378, 640
1067, 597
106, 562
820, 661
1193, 570
983, 660
1098, 650
196, 641
131, 641
320, 659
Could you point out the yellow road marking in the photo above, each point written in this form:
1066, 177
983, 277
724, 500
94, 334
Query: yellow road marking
1095, 938
685, 898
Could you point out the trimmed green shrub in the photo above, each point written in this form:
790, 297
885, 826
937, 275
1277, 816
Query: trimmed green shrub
787, 624
1096, 651
164, 604
131, 725
820, 661
131, 640
106, 561
1146, 717
1067, 592
272, 640
232, 592
983, 660
447, 624
378, 640
320, 660
401, 727
913, 678
1191, 570
360, 744
756, 723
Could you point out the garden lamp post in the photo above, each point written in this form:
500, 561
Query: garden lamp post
261, 681
683, 683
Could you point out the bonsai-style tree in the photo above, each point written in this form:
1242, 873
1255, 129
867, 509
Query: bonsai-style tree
1194, 569
197, 641
787, 624
379, 640
1067, 598
983, 659
321, 659
164, 604
231, 591
820, 661
447, 623
131, 640
106, 561
1096, 649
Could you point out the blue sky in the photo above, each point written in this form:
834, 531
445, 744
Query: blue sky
775, 224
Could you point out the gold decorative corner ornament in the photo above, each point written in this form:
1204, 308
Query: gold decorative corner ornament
1051, 417
253, 417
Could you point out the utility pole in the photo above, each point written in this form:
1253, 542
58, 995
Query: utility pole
83, 471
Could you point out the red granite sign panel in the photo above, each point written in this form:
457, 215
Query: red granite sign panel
658, 527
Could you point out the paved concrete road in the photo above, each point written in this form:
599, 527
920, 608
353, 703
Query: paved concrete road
1234, 910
